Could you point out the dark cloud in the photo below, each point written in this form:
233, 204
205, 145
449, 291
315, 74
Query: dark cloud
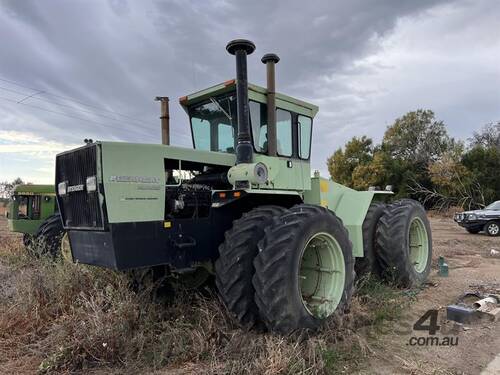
119, 55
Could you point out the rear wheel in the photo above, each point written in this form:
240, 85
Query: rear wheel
304, 271
368, 263
492, 228
404, 243
234, 269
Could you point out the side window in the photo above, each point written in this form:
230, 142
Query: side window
201, 133
226, 138
305, 127
258, 119
284, 132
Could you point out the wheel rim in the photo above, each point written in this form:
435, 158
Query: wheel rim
66, 248
419, 244
321, 275
493, 228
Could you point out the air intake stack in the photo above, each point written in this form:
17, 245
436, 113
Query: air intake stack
240, 48
270, 59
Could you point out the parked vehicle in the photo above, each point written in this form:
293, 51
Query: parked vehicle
33, 211
487, 219
241, 205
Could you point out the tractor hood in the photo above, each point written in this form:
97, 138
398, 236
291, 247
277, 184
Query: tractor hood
29, 189
151, 153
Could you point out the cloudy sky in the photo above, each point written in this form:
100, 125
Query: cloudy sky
78, 69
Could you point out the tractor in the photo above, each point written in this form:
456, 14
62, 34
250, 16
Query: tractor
242, 206
33, 211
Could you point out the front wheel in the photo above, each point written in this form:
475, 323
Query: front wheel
47, 240
492, 228
404, 243
304, 271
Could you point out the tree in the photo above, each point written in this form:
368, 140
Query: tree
484, 165
416, 138
488, 136
7, 187
358, 151
375, 173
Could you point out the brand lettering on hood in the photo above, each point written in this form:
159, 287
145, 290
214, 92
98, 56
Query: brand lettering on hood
137, 179
75, 188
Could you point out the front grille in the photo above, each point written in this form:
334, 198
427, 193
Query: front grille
79, 208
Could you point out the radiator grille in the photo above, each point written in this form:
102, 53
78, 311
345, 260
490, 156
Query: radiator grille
79, 209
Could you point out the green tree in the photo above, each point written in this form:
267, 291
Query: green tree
358, 151
488, 136
484, 165
417, 138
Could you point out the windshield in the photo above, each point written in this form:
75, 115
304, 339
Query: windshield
214, 124
494, 206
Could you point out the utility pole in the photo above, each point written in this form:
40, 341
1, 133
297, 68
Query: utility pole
165, 119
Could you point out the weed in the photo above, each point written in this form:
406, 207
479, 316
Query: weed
63, 317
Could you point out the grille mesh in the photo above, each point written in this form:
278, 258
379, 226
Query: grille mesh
79, 209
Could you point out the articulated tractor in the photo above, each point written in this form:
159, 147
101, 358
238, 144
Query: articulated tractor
241, 206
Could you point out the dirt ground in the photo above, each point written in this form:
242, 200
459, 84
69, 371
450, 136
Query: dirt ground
470, 269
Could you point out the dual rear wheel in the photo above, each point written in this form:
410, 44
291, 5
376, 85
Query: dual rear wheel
291, 269
285, 268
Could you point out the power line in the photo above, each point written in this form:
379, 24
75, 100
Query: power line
70, 116
27, 96
68, 98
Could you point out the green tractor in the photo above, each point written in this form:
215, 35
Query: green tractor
33, 211
242, 206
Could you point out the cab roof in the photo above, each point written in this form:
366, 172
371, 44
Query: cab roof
256, 93
31, 189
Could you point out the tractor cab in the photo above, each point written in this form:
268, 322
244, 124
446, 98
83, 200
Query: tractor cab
213, 119
30, 205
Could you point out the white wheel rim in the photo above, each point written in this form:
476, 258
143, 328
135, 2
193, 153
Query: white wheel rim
493, 228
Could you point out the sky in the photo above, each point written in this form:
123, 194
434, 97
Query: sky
71, 70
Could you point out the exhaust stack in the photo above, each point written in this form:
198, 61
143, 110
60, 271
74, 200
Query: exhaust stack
240, 48
270, 59
165, 119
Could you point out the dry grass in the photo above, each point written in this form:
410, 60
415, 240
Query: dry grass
63, 317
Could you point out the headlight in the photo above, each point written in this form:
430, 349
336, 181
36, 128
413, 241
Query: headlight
260, 173
61, 188
472, 217
91, 184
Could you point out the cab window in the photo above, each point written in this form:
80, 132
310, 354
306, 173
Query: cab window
284, 132
258, 120
214, 124
305, 127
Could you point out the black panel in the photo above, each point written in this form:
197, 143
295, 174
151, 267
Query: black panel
79, 209
180, 244
95, 248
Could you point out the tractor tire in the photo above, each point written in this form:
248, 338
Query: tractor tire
404, 243
492, 228
27, 240
234, 269
473, 231
304, 272
368, 263
48, 237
